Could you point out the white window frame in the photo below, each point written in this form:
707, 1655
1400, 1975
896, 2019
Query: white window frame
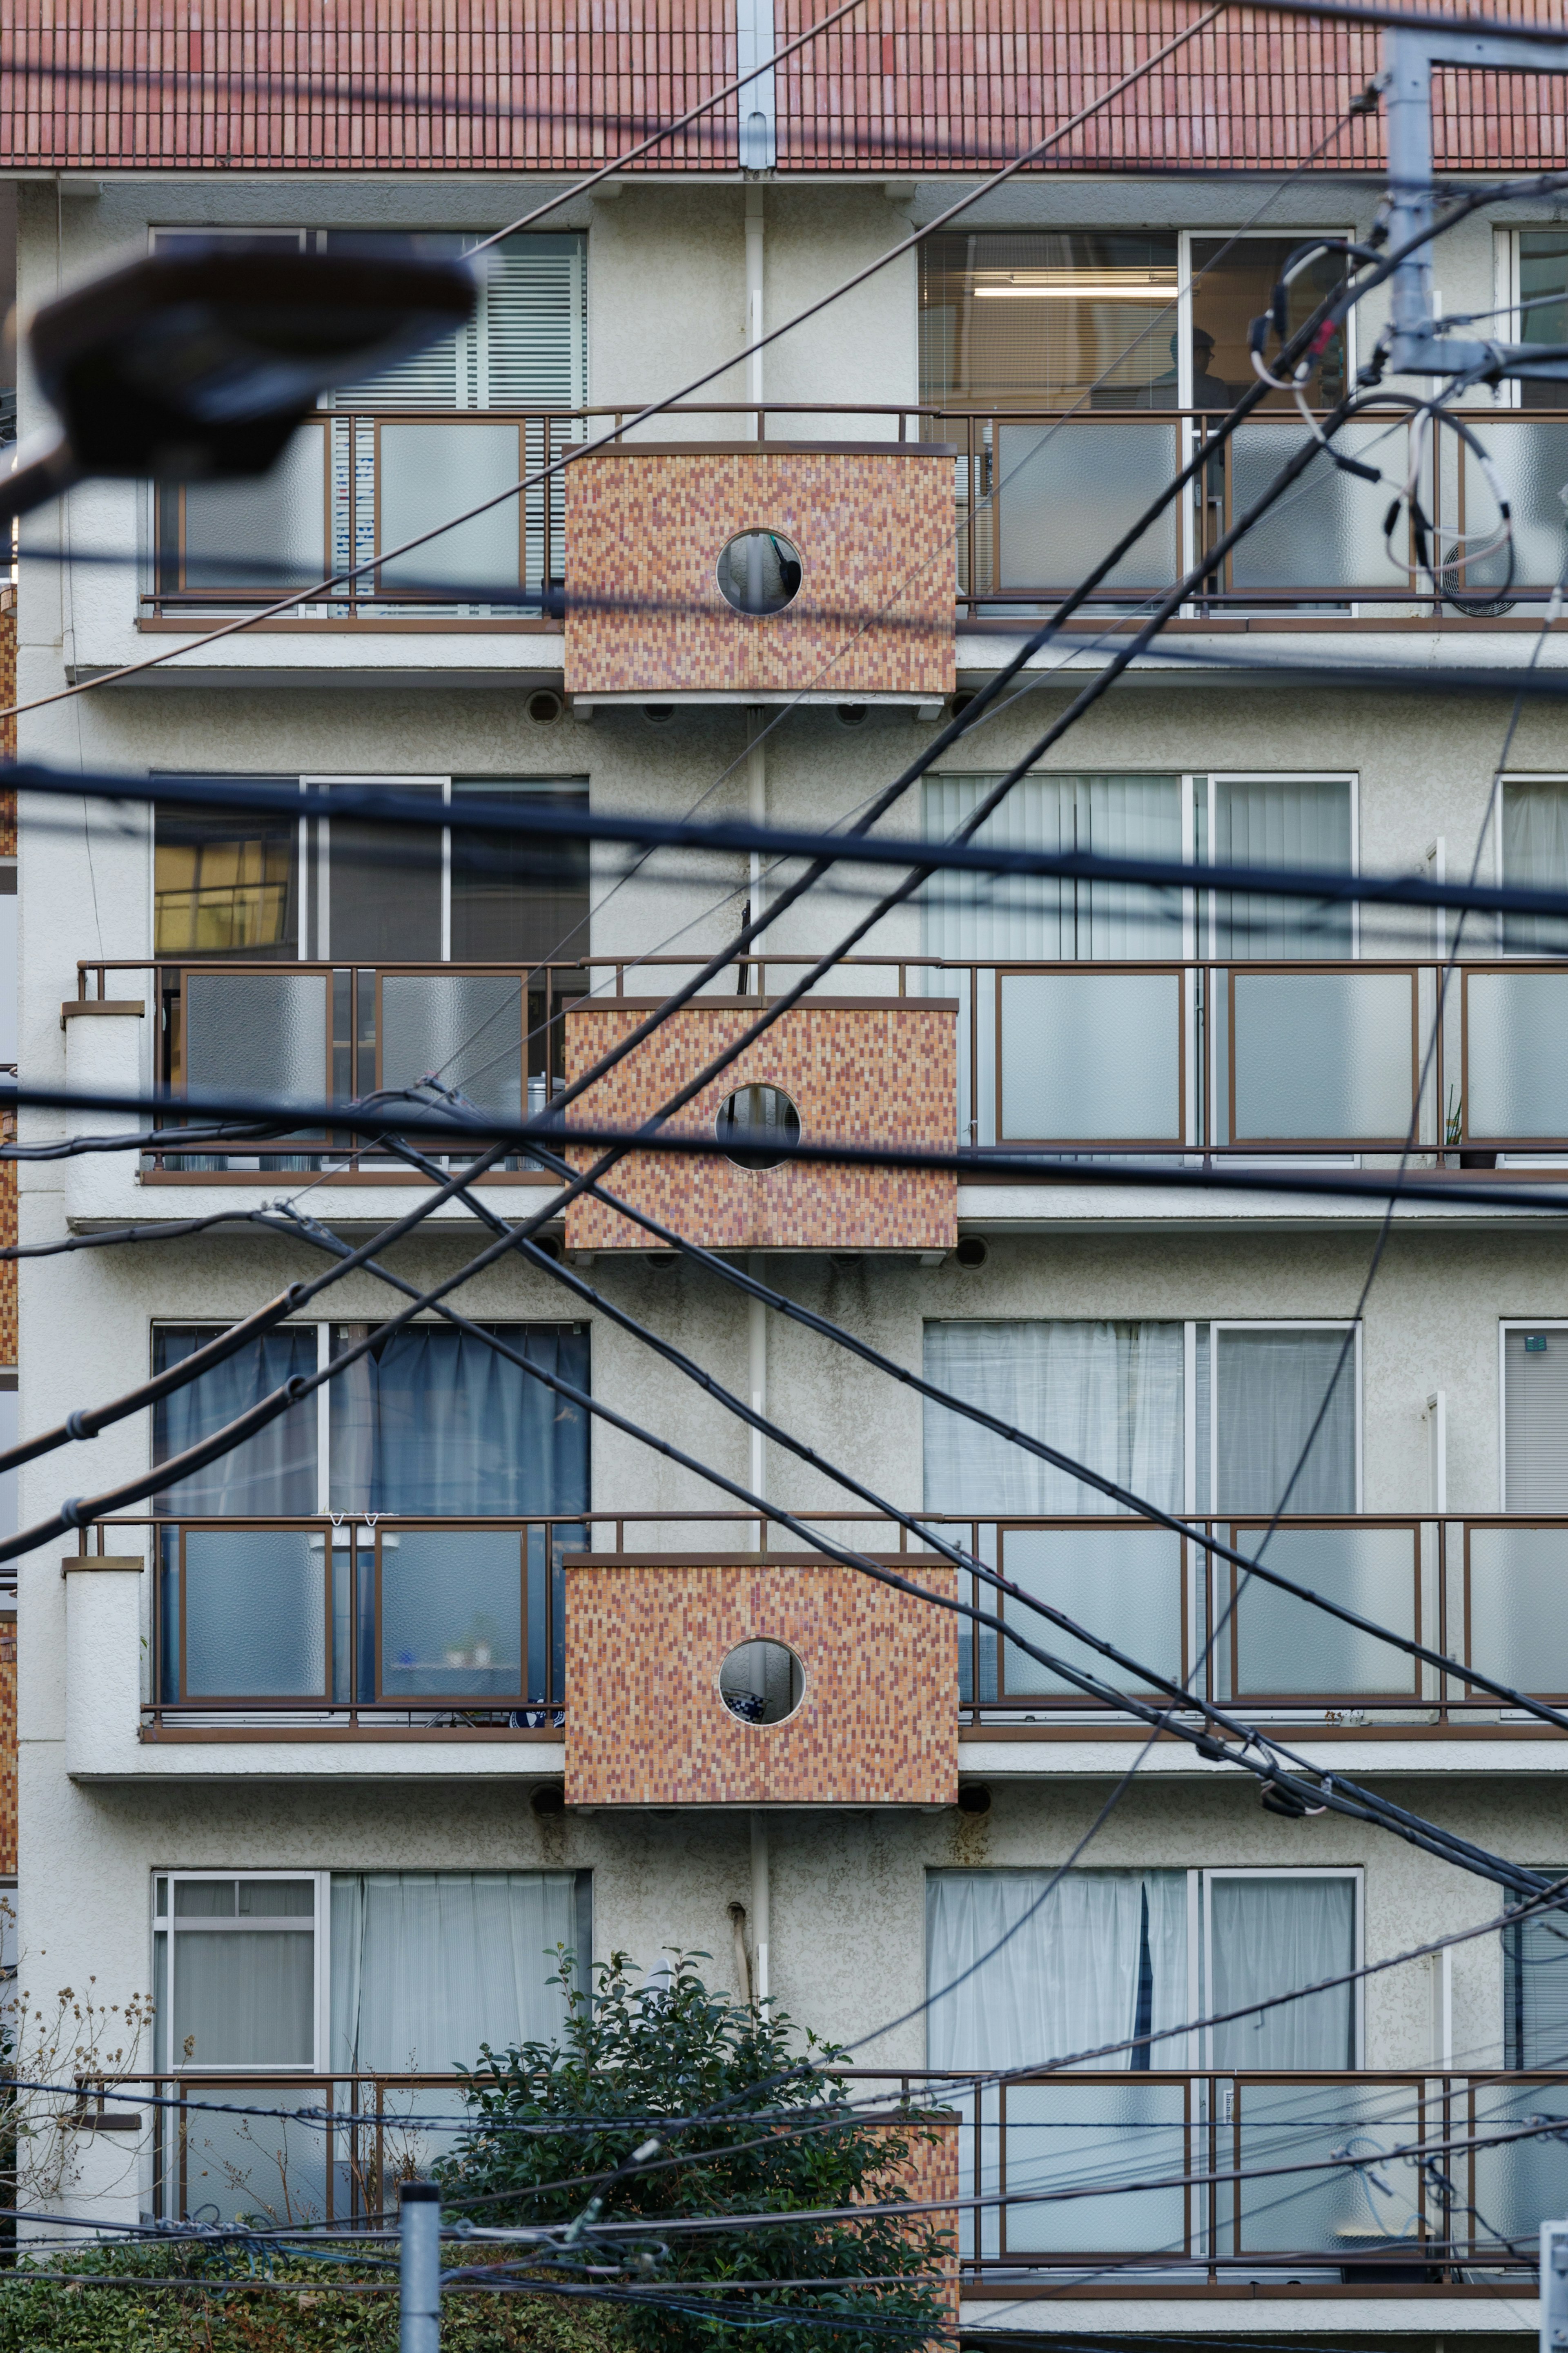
320, 1927
1354, 1873
1507, 1323
1340, 1323
1507, 295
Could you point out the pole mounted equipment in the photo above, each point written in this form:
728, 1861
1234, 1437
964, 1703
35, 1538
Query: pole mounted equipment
1418, 344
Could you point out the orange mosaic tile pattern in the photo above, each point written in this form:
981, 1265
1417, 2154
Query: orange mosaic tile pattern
7, 1749
883, 1071
873, 531
648, 1633
927, 2169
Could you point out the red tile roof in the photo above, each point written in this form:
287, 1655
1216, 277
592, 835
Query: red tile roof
534, 85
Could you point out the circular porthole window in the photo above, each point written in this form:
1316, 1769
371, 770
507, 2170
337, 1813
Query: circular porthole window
759, 571
761, 1682
757, 1125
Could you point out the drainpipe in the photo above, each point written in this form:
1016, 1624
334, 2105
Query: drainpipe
755, 303
757, 787
760, 1894
757, 1353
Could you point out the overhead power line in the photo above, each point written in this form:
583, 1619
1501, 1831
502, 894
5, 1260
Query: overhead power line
556, 822
654, 408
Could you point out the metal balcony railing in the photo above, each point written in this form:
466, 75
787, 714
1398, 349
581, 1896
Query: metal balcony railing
1353, 2214
355, 1619
1040, 496
1184, 1058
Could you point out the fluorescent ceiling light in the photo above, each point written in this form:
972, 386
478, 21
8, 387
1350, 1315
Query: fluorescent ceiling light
1157, 294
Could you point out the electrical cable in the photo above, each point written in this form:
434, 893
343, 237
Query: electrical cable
1460, 1851
552, 822
654, 408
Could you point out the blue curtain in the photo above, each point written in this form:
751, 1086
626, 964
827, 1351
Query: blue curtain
434, 1422
273, 1474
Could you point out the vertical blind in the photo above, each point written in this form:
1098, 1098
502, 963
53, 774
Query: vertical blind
1268, 1387
1042, 920
526, 346
1535, 1421
1535, 1989
1282, 821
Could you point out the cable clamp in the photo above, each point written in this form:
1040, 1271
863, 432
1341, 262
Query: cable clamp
76, 1424
74, 1512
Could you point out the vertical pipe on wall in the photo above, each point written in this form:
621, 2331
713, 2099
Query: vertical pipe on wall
757, 1360
760, 1894
757, 804
754, 304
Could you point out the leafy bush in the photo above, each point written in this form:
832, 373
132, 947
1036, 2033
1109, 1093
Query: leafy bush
300, 2308
771, 2134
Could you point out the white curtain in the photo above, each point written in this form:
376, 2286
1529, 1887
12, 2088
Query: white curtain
427, 1964
1109, 1395
1271, 1935
1067, 1980
1040, 920
1282, 821
245, 1997
1269, 1387
1535, 850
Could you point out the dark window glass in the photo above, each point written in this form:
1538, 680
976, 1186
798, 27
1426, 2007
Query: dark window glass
516, 901
1229, 291
1026, 319
384, 890
1543, 272
225, 884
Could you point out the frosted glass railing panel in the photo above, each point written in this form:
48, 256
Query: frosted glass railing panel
1335, 2211
255, 1620
262, 1033
1091, 1057
466, 1029
1057, 2133
1519, 1607
1525, 2182
267, 533
1108, 1581
1531, 458
1326, 531
426, 473
1323, 1055
1066, 494
233, 2168
1516, 1058
1285, 1647
451, 1614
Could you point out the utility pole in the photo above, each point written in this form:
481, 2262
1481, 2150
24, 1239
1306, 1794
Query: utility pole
419, 2281
1418, 345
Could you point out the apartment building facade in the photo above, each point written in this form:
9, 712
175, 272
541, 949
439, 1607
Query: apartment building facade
325, 1750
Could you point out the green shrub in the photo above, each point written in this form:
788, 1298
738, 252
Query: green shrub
634, 2053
